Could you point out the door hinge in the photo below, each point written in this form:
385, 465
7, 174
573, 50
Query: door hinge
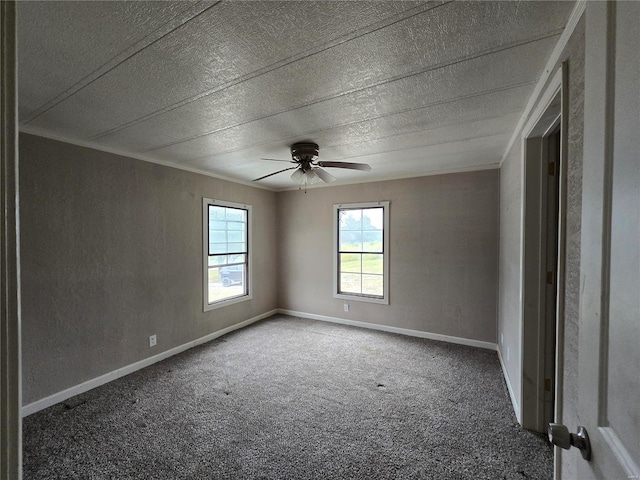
547, 384
552, 168
550, 278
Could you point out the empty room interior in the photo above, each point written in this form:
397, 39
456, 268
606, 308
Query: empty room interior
320, 239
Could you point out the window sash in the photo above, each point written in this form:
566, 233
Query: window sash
232, 216
364, 280
226, 244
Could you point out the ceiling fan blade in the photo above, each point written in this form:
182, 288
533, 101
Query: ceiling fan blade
352, 166
324, 175
274, 173
277, 160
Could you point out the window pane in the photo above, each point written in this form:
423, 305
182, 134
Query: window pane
241, 258
350, 283
373, 285
236, 214
350, 241
350, 219
235, 226
236, 247
226, 282
217, 248
372, 241
350, 262
217, 236
227, 235
217, 225
217, 260
372, 263
221, 260
372, 218
216, 213
234, 236
233, 275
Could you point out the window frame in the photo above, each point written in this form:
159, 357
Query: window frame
206, 202
384, 300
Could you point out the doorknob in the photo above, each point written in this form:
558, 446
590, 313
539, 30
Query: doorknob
559, 435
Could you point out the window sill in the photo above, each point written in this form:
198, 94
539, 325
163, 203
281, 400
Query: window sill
224, 303
362, 298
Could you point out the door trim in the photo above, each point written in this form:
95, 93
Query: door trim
10, 356
562, 255
550, 114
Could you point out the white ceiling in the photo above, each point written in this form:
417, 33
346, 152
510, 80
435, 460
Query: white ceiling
411, 88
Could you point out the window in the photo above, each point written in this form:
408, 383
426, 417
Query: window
361, 257
227, 254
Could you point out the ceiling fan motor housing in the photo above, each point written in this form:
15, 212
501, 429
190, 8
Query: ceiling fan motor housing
304, 152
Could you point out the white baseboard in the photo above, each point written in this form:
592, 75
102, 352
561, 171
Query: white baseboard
514, 402
387, 328
121, 372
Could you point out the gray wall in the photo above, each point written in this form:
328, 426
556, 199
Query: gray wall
112, 253
511, 198
443, 253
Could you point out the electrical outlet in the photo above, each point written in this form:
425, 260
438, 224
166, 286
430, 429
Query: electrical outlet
346, 307
153, 341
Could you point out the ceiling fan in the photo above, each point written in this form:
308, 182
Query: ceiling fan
307, 168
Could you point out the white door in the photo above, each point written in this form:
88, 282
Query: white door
609, 343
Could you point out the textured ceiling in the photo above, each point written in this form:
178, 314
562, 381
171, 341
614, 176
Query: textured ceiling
409, 87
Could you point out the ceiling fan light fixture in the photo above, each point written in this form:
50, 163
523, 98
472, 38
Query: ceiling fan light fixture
311, 177
298, 176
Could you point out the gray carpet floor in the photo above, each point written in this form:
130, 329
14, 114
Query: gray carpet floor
290, 398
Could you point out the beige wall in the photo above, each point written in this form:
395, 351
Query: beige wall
443, 253
112, 253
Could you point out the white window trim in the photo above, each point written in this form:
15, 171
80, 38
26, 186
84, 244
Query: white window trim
205, 255
385, 259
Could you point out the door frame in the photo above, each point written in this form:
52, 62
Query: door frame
10, 356
549, 116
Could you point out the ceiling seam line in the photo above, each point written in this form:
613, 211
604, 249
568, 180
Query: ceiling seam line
444, 143
393, 150
347, 144
443, 125
397, 78
451, 100
275, 66
356, 122
173, 24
